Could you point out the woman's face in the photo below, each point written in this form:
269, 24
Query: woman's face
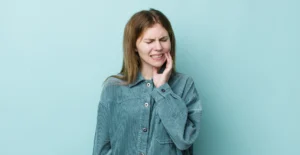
152, 45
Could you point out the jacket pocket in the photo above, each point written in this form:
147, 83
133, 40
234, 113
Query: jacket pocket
126, 115
161, 134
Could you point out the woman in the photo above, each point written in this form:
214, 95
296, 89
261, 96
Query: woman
148, 108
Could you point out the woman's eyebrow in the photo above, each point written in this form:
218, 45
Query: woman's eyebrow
164, 37
148, 39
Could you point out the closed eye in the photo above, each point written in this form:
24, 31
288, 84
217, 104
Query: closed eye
149, 42
164, 39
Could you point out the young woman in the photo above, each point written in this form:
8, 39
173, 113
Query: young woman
148, 108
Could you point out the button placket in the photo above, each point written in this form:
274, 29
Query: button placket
147, 87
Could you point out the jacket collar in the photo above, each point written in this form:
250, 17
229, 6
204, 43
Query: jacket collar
139, 79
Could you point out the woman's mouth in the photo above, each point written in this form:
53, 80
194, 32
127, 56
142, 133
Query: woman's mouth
157, 57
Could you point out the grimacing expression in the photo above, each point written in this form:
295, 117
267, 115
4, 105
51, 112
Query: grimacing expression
152, 45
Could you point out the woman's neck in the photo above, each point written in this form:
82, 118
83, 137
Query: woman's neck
147, 73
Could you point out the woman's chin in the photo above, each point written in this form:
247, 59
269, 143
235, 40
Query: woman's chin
157, 65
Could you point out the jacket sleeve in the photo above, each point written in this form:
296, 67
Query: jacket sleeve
179, 115
101, 140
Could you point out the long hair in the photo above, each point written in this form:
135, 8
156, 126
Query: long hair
134, 28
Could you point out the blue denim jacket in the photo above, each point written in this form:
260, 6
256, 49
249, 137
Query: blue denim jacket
139, 119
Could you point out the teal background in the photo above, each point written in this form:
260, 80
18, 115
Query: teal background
242, 54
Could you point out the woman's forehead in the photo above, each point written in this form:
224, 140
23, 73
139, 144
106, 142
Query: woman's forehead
156, 31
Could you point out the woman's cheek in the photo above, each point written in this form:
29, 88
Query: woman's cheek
167, 46
149, 48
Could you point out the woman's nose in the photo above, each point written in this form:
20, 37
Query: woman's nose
158, 46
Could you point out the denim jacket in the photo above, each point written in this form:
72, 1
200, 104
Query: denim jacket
140, 119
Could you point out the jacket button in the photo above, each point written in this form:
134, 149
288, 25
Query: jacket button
146, 104
148, 84
145, 129
163, 90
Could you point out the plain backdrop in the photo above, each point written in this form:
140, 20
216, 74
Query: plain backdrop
242, 54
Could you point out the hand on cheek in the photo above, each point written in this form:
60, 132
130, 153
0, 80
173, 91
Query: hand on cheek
160, 79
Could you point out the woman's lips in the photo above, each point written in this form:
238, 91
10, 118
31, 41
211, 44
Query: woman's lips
157, 57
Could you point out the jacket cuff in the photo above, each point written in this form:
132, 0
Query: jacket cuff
161, 92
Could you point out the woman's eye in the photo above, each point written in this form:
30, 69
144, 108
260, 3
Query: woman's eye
149, 42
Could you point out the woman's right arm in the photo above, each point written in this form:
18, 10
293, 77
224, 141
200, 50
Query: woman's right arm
101, 141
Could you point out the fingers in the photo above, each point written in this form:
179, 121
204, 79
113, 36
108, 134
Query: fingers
169, 60
170, 57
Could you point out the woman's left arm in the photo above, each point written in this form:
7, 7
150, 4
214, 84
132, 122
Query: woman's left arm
179, 115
